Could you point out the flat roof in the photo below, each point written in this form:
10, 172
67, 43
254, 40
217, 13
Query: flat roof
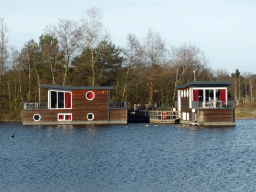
59, 87
205, 84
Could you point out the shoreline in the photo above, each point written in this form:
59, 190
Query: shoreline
244, 118
246, 113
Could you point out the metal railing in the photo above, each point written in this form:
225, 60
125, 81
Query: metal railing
35, 106
229, 104
118, 105
164, 115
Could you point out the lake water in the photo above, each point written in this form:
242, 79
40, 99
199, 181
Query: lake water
133, 158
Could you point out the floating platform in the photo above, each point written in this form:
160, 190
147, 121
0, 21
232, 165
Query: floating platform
164, 117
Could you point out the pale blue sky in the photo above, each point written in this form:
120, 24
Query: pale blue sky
225, 30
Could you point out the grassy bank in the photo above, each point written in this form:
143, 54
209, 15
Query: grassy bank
245, 113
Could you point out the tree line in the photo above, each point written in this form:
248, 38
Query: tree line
72, 53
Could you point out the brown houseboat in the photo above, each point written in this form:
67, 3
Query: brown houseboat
205, 103
75, 105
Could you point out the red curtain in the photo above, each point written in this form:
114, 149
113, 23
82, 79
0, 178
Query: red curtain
67, 100
196, 94
61, 117
68, 117
222, 96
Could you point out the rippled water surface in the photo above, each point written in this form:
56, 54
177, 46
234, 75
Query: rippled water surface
133, 158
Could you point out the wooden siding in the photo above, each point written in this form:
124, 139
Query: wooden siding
81, 106
52, 115
218, 115
46, 115
185, 107
118, 114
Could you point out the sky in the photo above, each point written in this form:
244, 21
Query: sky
224, 30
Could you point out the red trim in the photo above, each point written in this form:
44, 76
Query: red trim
67, 100
222, 96
196, 94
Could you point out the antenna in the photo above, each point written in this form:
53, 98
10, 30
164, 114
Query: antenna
194, 74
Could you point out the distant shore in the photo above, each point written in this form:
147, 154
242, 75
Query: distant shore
245, 113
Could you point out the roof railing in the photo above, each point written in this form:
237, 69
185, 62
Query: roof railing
35, 106
118, 105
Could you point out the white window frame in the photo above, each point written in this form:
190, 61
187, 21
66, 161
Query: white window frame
38, 115
207, 88
89, 92
179, 100
49, 99
64, 116
88, 115
190, 98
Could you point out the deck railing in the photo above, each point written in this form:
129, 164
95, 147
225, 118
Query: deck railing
44, 105
118, 105
229, 104
164, 115
35, 106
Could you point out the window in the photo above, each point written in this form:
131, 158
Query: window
60, 100
62, 117
90, 116
53, 99
209, 95
198, 95
201, 95
90, 95
65, 117
37, 117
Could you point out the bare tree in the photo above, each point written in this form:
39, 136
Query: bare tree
236, 79
132, 53
251, 88
221, 74
16, 68
69, 35
154, 50
50, 53
3, 46
92, 29
184, 61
